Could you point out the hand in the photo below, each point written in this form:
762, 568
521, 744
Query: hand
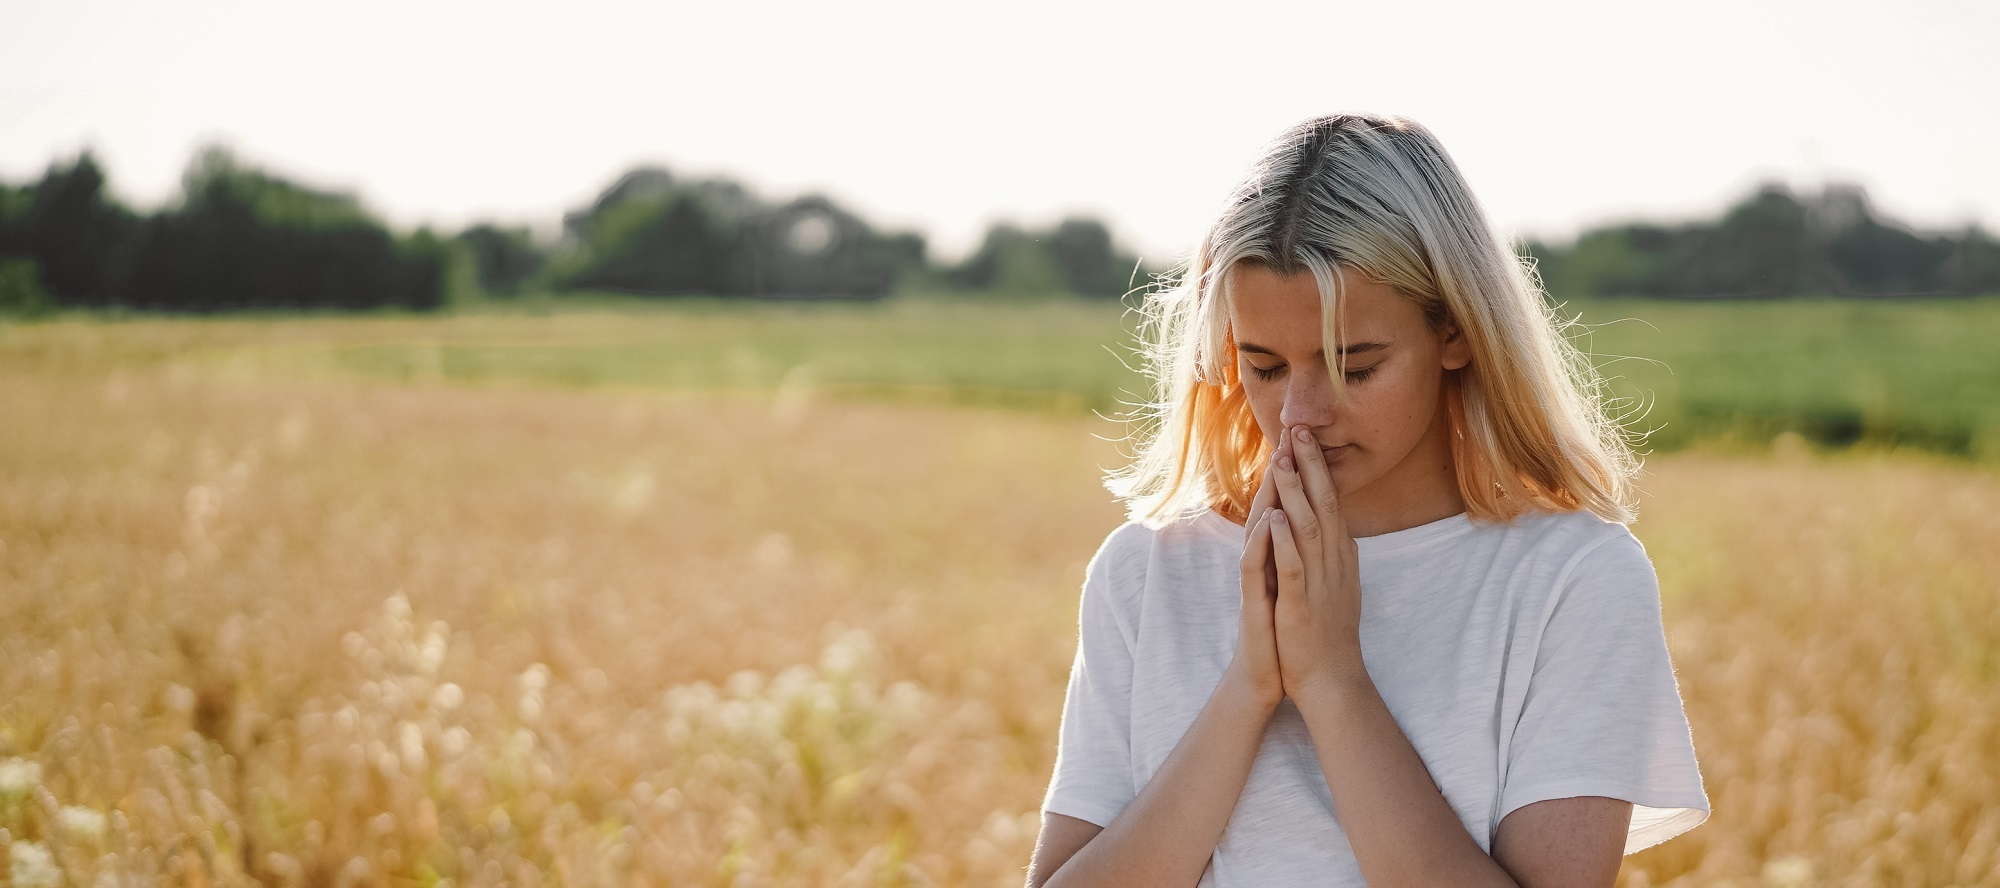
1255, 665
1317, 616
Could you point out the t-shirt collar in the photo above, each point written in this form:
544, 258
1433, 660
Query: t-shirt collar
1393, 541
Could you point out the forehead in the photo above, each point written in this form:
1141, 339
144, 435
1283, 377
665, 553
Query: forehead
1282, 312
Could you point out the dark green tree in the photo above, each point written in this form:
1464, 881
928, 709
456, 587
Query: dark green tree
1883, 260
503, 259
242, 238
1974, 264
78, 237
1760, 248
812, 248
1092, 264
653, 233
675, 245
1077, 256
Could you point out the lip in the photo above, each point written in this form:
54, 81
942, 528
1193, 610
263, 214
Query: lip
1334, 454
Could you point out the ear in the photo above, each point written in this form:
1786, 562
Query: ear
1455, 351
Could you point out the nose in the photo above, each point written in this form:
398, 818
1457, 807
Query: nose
1308, 400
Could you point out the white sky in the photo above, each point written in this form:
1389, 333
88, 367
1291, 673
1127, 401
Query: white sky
946, 116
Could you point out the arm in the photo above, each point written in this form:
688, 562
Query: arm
1167, 833
1401, 828
1405, 833
1165, 836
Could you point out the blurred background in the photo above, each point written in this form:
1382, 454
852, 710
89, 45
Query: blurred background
661, 443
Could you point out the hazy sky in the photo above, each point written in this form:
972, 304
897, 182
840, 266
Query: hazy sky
945, 116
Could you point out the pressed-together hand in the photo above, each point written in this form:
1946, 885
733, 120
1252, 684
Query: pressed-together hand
1256, 634
1303, 568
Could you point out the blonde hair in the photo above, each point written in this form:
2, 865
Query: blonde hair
1378, 196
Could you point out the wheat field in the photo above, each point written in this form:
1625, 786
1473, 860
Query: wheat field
325, 632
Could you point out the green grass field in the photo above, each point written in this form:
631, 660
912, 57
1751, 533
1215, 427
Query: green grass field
1922, 374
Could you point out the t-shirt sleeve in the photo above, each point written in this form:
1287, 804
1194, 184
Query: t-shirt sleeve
1602, 715
1093, 772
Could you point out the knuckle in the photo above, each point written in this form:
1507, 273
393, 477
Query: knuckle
1308, 528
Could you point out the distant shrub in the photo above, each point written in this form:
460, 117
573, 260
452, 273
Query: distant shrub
21, 293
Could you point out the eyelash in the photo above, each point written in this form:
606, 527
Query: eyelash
1352, 377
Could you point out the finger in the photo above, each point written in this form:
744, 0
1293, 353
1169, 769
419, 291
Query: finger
1256, 554
1317, 478
1299, 511
1261, 579
1267, 496
1291, 567
1268, 492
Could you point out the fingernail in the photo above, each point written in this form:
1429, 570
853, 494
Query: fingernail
1277, 517
1305, 437
1285, 461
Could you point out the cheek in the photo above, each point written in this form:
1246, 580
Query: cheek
1416, 402
1397, 405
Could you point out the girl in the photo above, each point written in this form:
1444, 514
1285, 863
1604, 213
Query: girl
1442, 661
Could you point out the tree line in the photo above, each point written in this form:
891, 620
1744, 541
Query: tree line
238, 237
652, 232
1774, 243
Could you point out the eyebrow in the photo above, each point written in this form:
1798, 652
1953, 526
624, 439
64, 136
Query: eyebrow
1354, 349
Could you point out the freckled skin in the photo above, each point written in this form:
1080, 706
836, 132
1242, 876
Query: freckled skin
1397, 471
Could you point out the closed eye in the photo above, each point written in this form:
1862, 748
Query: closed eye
1270, 373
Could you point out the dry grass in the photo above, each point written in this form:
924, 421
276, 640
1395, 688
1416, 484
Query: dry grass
320, 633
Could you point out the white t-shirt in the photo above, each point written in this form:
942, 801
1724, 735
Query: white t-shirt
1524, 662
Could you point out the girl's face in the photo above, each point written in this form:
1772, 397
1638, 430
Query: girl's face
1386, 440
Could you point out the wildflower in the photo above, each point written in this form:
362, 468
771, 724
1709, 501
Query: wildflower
533, 682
455, 742
410, 744
18, 776
431, 656
81, 821
849, 653
447, 697
30, 865
535, 678
1788, 872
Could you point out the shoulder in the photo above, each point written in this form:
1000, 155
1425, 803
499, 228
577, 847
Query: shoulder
1597, 570
1123, 552
1134, 550
1570, 542
1576, 532
1552, 562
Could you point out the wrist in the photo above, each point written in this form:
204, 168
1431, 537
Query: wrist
1333, 688
1239, 684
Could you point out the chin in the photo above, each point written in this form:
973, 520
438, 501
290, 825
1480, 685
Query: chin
1343, 486
1345, 476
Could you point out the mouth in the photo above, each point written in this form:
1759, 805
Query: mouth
1334, 454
